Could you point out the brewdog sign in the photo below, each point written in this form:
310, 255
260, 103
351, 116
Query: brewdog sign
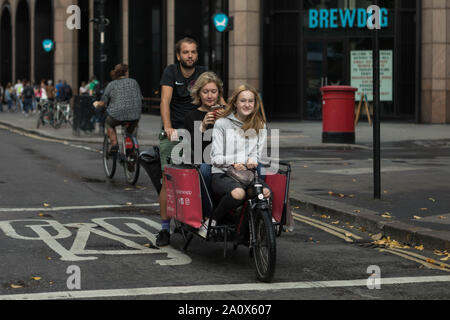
373, 17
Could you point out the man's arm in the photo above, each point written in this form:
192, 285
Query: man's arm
166, 98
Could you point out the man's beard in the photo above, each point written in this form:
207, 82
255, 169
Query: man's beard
186, 66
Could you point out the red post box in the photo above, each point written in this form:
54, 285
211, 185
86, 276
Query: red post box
338, 114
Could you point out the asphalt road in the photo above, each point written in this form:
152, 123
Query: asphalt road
68, 232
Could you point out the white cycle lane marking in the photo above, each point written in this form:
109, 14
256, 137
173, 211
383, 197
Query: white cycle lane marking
78, 251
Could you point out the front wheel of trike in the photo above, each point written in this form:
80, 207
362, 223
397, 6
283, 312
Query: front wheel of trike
264, 250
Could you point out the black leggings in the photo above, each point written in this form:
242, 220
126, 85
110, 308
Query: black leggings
223, 185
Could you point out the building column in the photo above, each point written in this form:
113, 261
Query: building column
245, 46
435, 104
91, 39
13, 6
32, 5
170, 32
66, 47
125, 32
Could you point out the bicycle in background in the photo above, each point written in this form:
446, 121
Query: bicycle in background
46, 113
62, 114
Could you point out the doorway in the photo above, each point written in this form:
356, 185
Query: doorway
325, 65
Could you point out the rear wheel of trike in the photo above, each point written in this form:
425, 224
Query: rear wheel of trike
109, 161
264, 250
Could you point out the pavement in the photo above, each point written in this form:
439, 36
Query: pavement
414, 209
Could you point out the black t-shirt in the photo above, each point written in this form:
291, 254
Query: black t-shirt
181, 103
192, 127
28, 92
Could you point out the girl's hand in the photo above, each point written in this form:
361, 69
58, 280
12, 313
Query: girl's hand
239, 166
252, 164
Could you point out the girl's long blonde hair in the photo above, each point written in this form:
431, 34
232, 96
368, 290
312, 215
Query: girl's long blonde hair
257, 119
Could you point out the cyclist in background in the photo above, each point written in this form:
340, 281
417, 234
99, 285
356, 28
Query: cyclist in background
123, 102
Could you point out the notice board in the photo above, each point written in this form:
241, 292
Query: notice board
361, 74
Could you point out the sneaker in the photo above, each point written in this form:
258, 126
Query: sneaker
163, 238
203, 231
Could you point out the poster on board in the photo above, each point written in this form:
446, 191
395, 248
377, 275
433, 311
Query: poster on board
361, 74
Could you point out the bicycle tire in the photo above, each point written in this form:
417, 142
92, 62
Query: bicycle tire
39, 120
264, 250
109, 162
132, 168
57, 121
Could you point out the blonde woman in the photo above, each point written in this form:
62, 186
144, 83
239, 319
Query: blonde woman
237, 142
207, 93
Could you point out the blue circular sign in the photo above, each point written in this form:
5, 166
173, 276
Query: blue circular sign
48, 45
221, 22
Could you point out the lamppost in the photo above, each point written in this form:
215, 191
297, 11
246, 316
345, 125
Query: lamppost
376, 109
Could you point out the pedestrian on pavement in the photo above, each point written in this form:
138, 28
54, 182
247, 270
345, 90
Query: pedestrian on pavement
176, 84
84, 89
94, 87
2, 94
66, 92
58, 88
27, 96
43, 91
51, 91
18, 88
8, 96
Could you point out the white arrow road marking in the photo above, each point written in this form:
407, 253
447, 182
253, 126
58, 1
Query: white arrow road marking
86, 294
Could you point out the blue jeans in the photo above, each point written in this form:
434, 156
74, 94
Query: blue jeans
27, 104
205, 169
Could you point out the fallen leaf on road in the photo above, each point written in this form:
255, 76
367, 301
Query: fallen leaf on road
432, 200
420, 248
36, 278
377, 237
324, 216
387, 216
417, 218
129, 203
445, 259
330, 193
431, 260
335, 222
305, 167
442, 217
357, 211
46, 205
438, 253
423, 209
128, 189
16, 286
